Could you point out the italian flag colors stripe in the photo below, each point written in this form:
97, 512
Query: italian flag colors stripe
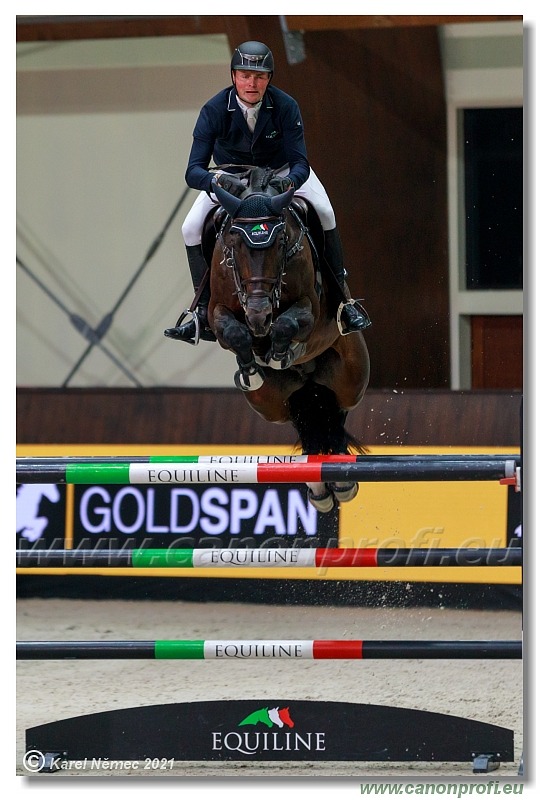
182, 472
258, 649
263, 557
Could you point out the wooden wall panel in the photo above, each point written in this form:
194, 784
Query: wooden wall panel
57, 27
191, 416
374, 109
497, 352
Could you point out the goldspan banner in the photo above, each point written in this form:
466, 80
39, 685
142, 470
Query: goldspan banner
396, 514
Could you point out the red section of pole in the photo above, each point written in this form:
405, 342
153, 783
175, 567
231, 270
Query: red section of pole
328, 648
346, 557
289, 473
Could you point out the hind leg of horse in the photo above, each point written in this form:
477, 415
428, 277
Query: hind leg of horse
270, 401
345, 370
234, 335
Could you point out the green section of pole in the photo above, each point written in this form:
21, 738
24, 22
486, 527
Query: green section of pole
149, 557
97, 473
193, 648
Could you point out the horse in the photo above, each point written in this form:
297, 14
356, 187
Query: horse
269, 717
29, 524
272, 304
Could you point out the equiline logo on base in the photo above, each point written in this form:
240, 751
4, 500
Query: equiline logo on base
259, 741
269, 717
250, 730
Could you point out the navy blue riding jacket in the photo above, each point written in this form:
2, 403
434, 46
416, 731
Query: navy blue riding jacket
221, 132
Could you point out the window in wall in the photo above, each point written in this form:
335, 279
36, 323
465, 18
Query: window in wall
493, 162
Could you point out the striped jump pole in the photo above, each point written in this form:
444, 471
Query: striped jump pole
270, 649
272, 557
181, 471
65, 461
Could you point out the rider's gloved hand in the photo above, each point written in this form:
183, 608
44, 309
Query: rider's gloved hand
282, 185
231, 184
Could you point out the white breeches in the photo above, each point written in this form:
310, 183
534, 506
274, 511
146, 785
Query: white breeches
312, 190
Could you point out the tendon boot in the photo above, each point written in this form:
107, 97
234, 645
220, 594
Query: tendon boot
197, 327
351, 315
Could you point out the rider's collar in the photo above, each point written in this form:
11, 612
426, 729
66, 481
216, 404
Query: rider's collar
232, 101
245, 107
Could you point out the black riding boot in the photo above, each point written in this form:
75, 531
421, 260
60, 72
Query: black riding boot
197, 327
353, 316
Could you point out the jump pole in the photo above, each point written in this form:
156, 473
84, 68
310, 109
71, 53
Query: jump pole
186, 472
65, 461
286, 649
272, 557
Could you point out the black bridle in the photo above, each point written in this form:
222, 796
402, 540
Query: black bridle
243, 285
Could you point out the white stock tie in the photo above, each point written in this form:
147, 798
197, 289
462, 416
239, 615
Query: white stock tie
251, 118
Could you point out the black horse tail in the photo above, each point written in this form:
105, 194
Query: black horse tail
320, 422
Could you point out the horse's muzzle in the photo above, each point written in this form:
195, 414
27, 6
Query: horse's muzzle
259, 315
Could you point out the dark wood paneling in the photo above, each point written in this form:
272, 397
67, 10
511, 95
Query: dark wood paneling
66, 27
497, 352
58, 27
191, 416
315, 22
374, 108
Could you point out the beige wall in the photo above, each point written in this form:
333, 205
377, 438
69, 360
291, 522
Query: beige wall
103, 135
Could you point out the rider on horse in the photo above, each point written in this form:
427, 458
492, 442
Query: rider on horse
253, 123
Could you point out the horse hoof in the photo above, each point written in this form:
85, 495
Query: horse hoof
322, 502
280, 360
284, 360
344, 492
249, 380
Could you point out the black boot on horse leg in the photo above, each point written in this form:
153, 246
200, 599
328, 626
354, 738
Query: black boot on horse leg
352, 316
197, 327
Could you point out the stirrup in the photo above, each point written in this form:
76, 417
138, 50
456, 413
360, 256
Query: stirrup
356, 304
201, 331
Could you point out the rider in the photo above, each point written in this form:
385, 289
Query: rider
226, 133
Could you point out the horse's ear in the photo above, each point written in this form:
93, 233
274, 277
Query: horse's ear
229, 202
281, 201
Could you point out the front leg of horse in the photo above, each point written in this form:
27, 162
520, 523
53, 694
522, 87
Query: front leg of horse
234, 335
288, 334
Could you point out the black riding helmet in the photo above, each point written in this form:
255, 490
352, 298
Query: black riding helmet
254, 56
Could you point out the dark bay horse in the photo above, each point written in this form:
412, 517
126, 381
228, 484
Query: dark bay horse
271, 305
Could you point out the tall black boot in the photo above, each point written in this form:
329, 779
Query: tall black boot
197, 327
352, 317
